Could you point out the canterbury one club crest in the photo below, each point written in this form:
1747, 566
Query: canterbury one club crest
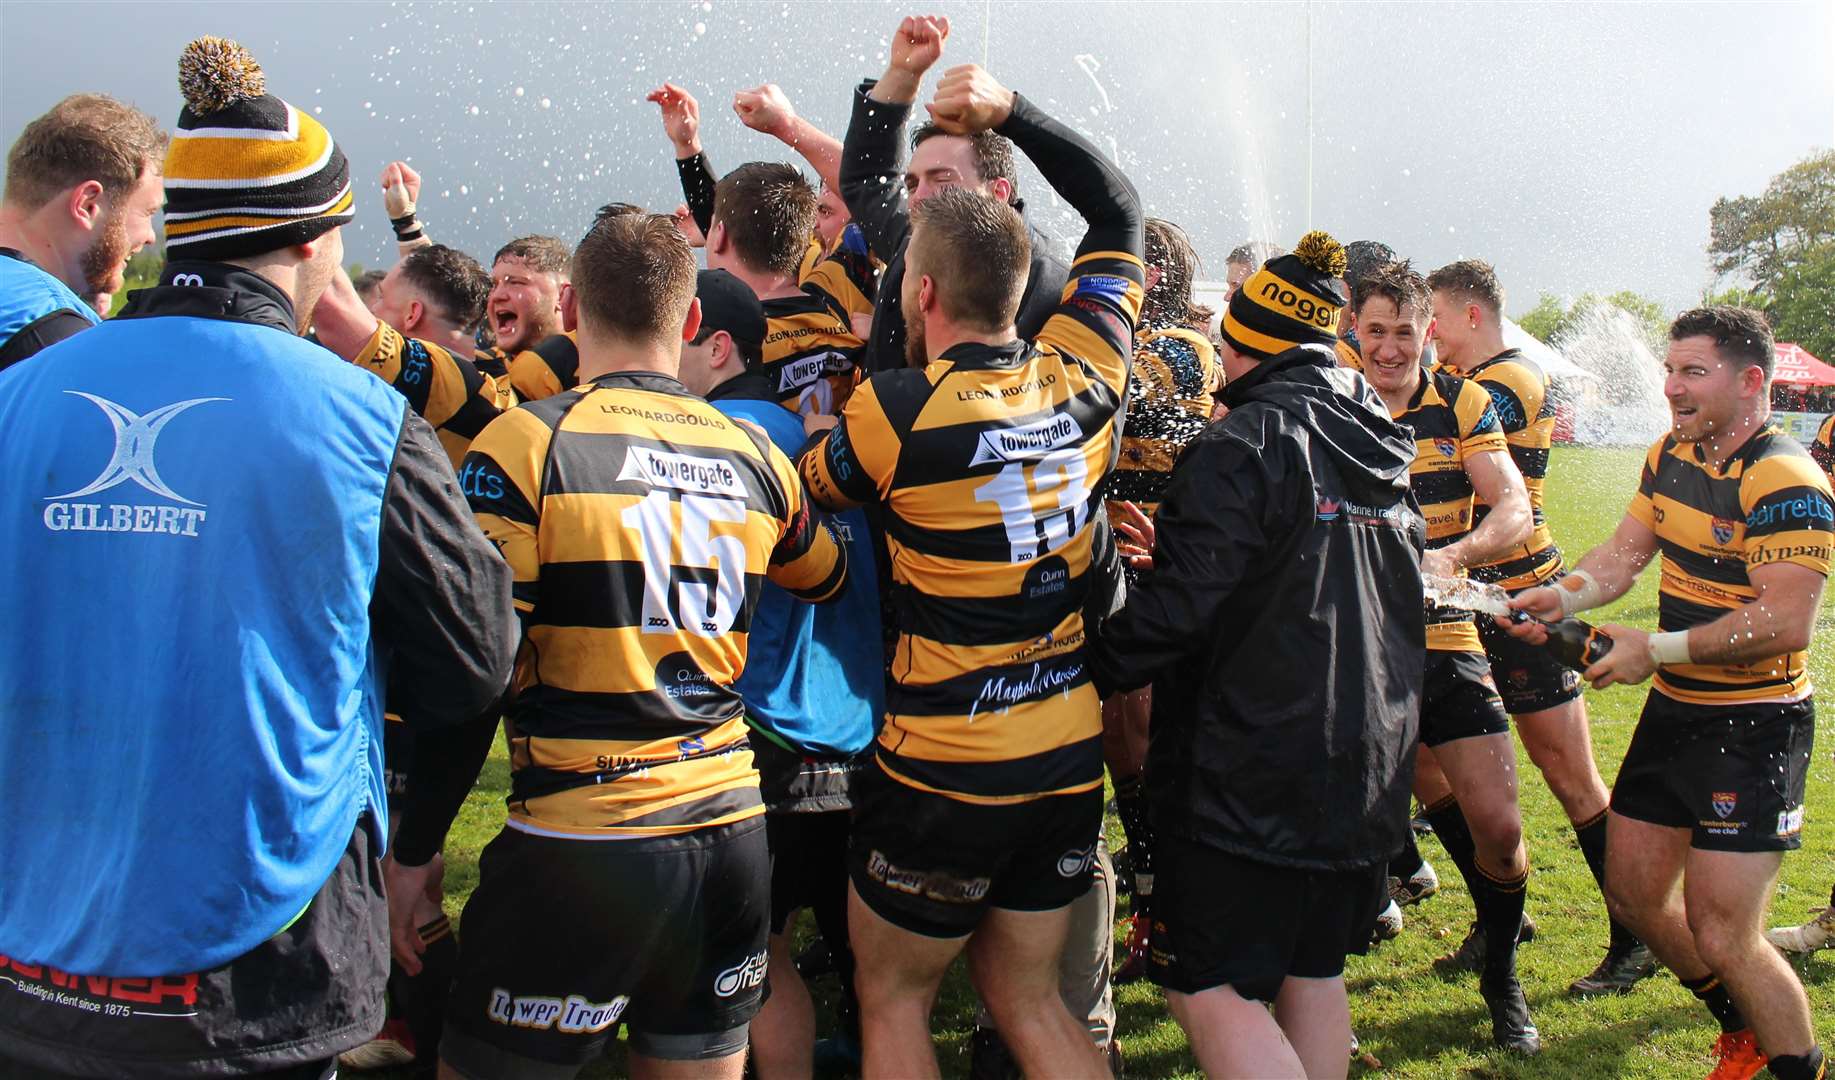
136, 436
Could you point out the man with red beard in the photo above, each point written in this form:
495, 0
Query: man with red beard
83, 183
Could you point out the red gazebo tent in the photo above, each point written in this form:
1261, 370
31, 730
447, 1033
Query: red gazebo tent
1796, 367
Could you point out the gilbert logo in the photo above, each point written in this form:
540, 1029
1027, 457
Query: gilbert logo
136, 437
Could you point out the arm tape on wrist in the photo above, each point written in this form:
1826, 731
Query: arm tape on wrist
1578, 592
406, 227
1670, 648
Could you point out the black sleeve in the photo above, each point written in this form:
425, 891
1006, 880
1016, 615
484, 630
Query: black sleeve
41, 333
872, 172
1092, 184
442, 602
698, 189
1209, 529
444, 768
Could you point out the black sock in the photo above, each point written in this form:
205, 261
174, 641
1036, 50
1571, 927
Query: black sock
1710, 992
1456, 837
1408, 862
1592, 838
1800, 1066
1131, 807
421, 999
1500, 916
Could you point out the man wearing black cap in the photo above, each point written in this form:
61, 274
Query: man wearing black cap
1285, 591
811, 688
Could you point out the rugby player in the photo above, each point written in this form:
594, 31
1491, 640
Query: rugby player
83, 185
1288, 546
1541, 694
268, 531
1246, 259
976, 824
631, 883
1460, 453
880, 193
811, 689
1710, 794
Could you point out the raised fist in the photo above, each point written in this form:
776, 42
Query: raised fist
918, 43
681, 117
401, 189
969, 100
765, 109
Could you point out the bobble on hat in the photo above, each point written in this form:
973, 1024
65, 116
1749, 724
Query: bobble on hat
215, 73
1318, 251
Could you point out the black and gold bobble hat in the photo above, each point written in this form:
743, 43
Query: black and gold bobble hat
1292, 300
246, 173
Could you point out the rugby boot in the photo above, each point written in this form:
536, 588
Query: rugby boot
1388, 924
1134, 968
1511, 1026
1619, 973
1818, 933
1737, 1056
1470, 956
1416, 887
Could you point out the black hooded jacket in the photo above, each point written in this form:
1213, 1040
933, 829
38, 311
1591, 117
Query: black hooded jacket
1282, 625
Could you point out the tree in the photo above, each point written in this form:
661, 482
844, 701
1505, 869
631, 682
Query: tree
1780, 245
1544, 320
142, 273
1552, 318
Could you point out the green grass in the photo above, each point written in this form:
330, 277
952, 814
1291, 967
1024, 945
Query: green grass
1413, 1022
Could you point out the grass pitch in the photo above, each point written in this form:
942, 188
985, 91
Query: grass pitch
1409, 1019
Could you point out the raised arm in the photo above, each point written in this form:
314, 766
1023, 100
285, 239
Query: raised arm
768, 110
401, 191
871, 172
681, 115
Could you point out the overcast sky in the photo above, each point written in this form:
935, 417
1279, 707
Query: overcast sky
1576, 146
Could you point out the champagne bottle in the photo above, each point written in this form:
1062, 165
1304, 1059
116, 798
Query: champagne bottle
1576, 643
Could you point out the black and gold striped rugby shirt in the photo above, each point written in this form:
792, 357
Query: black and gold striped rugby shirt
1453, 421
640, 524
987, 462
448, 391
811, 355
544, 370
1519, 392
1769, 504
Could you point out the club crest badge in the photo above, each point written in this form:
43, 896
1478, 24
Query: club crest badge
1725, 802
1723, 531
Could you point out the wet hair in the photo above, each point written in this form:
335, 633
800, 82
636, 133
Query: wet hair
634, 276
993, 156
769, 212
1170, 252
1254, 253
84, 137
452, 280
977, 254
1471, 280
1363, 256
544, 253
1397, 282
1740, 334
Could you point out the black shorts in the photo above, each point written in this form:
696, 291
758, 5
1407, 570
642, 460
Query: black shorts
800, 782
933, 865
1458, 699
565, 939
1528, 677
808, 862
1731, 774
1224, 920
287, 1006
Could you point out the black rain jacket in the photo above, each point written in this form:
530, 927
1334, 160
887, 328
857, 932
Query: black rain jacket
1282, 625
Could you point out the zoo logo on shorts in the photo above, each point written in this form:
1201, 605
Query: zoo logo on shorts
745, 975
1076, 862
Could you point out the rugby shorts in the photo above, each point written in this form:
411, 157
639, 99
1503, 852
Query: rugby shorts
1458, 698
1528, 677
1733, 775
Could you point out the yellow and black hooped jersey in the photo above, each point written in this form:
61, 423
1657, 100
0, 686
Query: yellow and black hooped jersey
640, 525
1823, 449
449, 392
1770, 504
1453, 422
1169, 404
811, 353
1519, 392
987, 462
552, 366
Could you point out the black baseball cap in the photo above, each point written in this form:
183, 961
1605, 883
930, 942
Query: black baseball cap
730, 304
